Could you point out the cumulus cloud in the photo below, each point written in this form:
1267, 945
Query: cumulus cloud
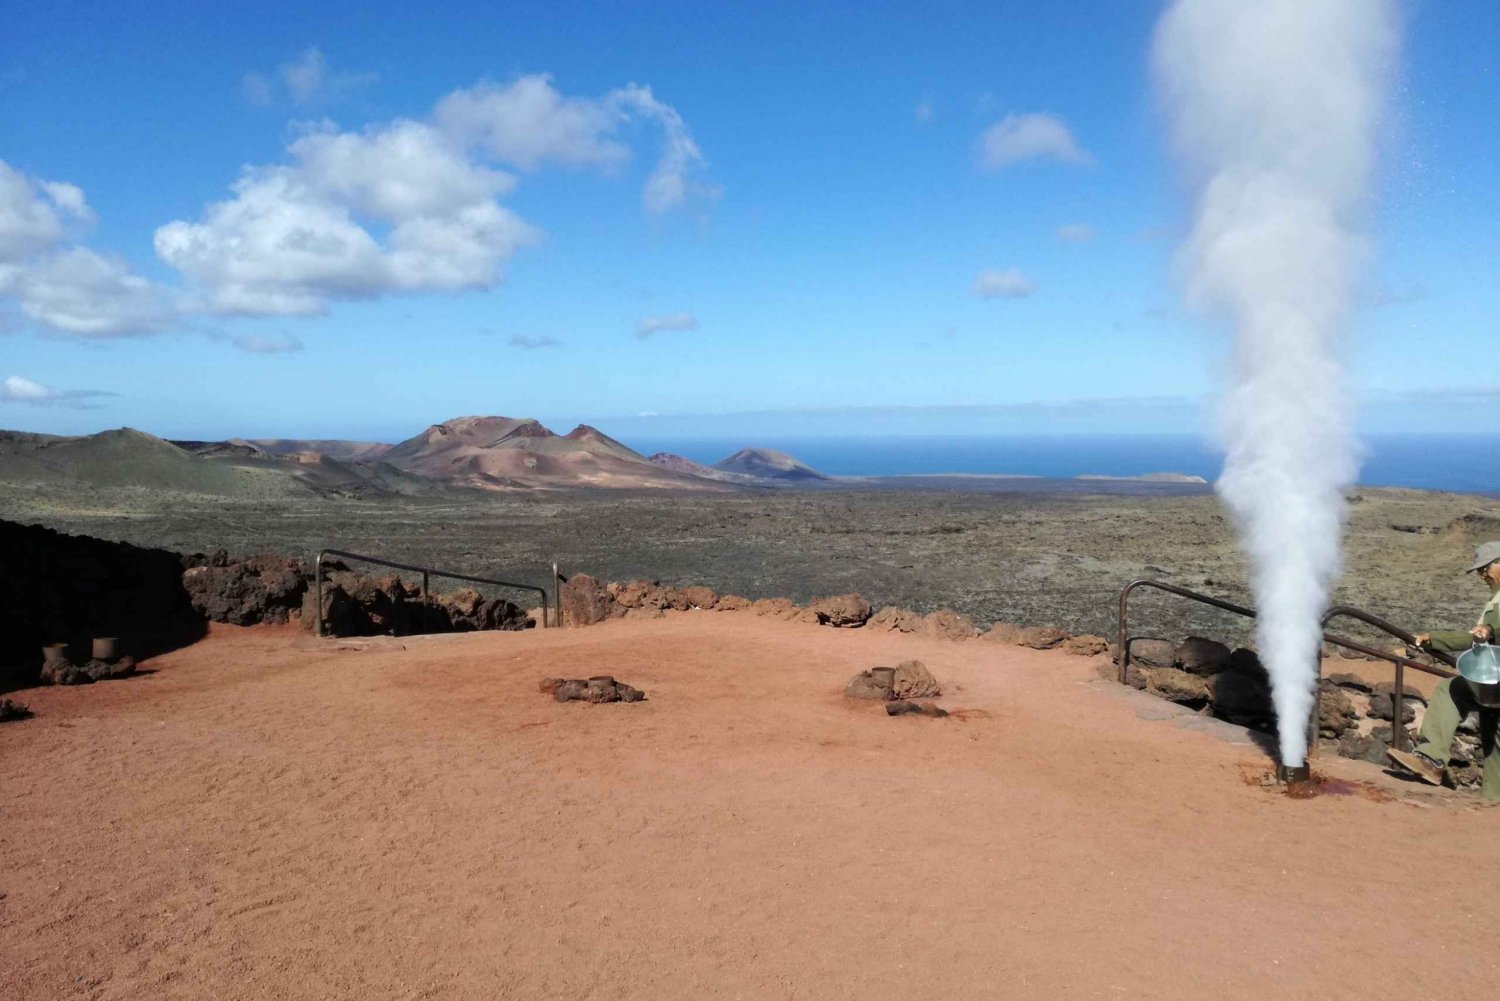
60, 285
532, 343
306, 80
1034, 136
267, 344
1075, 232
649, 325
35, 215
19, 389
1007, 284
528, 123
409, 206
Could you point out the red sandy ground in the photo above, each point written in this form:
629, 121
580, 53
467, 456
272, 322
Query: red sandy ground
268, 816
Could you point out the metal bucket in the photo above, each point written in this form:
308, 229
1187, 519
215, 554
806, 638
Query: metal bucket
1480, 667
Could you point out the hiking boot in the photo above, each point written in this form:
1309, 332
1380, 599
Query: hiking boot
1418, 764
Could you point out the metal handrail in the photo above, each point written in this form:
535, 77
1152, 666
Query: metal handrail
558, 580
424, 571
1398, 732
1398, 693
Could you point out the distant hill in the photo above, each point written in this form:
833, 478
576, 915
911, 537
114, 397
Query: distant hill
334, 448
767, 464
687, 467
127, 458
499, 452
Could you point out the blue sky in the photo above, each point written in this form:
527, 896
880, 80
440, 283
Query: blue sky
801, 215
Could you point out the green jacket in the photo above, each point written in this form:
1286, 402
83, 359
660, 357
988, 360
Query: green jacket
1459, 640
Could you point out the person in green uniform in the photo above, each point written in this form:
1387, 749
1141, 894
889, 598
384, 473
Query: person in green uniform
1452, 699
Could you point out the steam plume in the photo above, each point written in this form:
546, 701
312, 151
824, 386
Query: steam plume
1274, 106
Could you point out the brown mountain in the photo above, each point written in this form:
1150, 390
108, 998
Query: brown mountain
767, 464
501, 452
334, 448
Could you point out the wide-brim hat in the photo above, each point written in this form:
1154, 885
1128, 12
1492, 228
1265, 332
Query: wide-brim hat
1484, 555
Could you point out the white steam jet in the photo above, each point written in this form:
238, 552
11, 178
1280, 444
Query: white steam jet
1274, 107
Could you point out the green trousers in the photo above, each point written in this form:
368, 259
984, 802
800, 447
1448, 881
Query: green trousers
1451, 702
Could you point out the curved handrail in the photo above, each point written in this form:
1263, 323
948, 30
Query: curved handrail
424, 571
1182, 592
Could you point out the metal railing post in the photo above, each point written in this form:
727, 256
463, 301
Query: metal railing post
318, 595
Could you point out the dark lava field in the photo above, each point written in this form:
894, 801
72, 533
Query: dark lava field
1032, 556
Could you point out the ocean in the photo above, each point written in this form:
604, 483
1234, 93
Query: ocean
1467, 463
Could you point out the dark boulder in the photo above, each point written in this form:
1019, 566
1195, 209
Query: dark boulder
248, 592
1197, 655
842, 610
1153, 653
1176, 686
585, 602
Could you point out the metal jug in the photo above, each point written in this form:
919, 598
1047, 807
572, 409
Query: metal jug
1480, 667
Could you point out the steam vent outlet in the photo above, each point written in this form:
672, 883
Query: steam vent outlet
1294, 774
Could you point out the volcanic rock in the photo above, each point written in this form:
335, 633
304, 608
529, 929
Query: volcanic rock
1336, 713
777, 608
1041, 637
57, 671
732, 603
585, 602
914, 681
1381, 707
1197, 655
914, 709
251, 591
1085, 646
864, 686
843, 610
1153, 653
1003, 632
895, 619
11, 710
1351, 682
950, 625
698, 596
579, 690
1240, 697
1176, 686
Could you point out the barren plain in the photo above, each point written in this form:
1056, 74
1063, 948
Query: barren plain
1030, 552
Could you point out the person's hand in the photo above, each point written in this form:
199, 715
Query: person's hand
1421, 639
1483, 634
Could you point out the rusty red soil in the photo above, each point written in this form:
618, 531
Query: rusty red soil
267, 815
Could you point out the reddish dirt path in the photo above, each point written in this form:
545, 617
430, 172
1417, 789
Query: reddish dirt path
267, 817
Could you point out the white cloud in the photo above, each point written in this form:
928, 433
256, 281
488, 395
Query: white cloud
77, 291
528, 123
290, 241
1075, 232
410, 206
267, 344
35, 214
1009, 284
19, 389
532, 343
61, 285
1033, 136
923, 111
649, 325
306, 80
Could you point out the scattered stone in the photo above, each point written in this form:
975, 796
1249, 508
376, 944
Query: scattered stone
1388, 688
1336, 713
698, 596
1085, 646
914, 681
1363, 747
914, 709
1176, 686
950, 625
248, 592
1381, 708
732, 603
60, 671
776, 608
11, 710
644, 612
1241, 697
639, 594
1247, 662
1351, 682
865, 686
1135, 677
846, 611
1201, 656
602, 689
1153, 653
585, 602
895, 619
1041, 637
1004, 632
